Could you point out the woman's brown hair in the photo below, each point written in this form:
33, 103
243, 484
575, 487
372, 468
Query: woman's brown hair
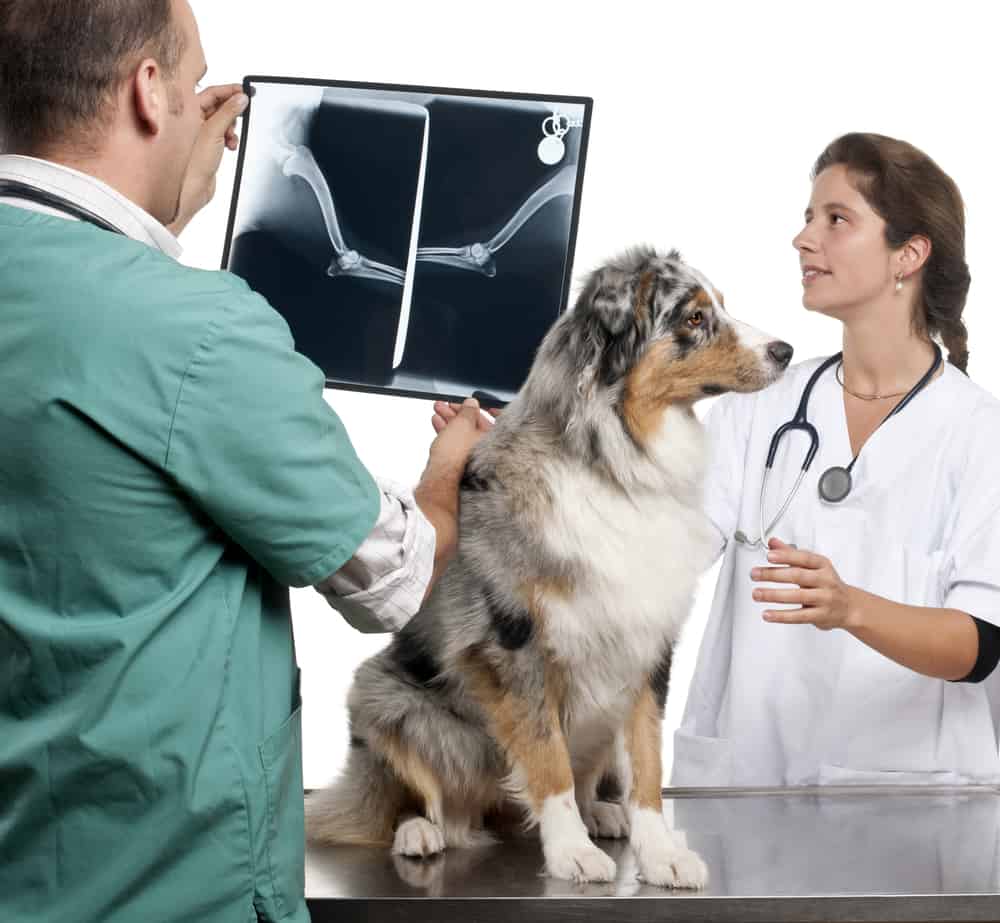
914, 196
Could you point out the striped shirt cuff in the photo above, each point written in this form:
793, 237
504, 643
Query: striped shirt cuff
383, 585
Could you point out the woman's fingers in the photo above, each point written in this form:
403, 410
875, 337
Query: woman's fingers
798, 596
798, 575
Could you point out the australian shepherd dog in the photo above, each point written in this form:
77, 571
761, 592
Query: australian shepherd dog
539, 664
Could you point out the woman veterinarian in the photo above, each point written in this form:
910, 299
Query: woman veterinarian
900, 550
889, 529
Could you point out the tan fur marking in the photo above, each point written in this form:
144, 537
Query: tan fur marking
413, 772
529, 733
644, 392
535, 593
659, 380
644, 297
642, 737
702, 299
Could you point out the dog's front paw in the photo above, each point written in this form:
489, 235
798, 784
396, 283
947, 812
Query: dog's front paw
671, 867
662, 855
418, 837
608, 820
578, 861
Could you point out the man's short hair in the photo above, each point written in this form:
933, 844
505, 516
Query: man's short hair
63, 61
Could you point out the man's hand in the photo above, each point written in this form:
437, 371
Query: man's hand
220, 107
437, 492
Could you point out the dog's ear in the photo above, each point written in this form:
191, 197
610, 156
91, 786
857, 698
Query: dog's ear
608, 296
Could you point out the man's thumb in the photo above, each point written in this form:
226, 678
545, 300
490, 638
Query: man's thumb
228, 113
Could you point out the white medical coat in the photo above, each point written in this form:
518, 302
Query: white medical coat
778, 704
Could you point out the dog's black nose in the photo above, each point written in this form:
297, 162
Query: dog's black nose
780, 352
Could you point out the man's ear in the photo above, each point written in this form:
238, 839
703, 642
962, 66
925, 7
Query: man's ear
149, 96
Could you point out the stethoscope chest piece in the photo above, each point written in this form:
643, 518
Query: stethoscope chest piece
835, 484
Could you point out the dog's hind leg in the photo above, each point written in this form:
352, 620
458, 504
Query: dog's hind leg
598, 791
361, 807
416, 835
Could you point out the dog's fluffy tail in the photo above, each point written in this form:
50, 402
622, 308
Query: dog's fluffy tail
360, 808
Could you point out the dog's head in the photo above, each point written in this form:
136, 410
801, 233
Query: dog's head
648, 331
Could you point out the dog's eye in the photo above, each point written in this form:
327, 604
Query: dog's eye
695, 319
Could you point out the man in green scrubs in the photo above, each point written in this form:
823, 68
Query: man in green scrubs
168, 468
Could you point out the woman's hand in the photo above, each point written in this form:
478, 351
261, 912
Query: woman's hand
827, 602
444, 413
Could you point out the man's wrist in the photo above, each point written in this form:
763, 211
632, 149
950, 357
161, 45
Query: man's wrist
438, 490
443, 517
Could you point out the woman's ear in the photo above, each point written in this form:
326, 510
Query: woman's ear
914, 254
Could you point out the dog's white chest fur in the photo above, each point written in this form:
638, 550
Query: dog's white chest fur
641, 553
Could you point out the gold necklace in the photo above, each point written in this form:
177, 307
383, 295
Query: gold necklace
863, 397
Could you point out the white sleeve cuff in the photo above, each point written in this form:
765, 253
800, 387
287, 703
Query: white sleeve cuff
382, 587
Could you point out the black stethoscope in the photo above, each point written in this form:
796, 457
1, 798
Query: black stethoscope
835, 482
12, 189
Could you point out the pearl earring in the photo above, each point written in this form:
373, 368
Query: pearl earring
899, 283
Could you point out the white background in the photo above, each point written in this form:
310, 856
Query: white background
707, 118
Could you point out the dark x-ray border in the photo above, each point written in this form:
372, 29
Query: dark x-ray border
587, 102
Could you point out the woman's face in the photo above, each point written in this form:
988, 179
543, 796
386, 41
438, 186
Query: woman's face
846, 263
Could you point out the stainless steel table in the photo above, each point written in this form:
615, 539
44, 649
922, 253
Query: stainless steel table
802, 854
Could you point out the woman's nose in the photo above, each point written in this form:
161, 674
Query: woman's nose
803, 240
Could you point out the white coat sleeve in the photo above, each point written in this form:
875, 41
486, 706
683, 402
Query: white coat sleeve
972, 570
727, 424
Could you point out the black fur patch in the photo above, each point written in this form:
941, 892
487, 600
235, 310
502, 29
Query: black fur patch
660, 679
414, 659
513, 626
609, 788
472, 481
594, 441
617, 358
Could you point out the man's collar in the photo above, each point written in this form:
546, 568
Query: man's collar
91, 193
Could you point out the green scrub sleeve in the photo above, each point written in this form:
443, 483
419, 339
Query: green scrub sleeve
255, 445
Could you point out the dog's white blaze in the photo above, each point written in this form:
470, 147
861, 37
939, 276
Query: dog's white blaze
751, 338
748, 337
707, 287
644, 553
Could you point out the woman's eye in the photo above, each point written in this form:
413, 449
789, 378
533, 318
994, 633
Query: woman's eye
835, 218
695, 319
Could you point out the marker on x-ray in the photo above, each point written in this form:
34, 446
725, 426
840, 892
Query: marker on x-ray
552, 148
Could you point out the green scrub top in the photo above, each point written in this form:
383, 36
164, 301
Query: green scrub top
168, 468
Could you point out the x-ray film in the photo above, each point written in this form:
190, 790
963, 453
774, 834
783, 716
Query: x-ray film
416, 240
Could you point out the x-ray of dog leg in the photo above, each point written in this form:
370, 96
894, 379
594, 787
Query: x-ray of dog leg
663, 857
479, 257
299, 162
